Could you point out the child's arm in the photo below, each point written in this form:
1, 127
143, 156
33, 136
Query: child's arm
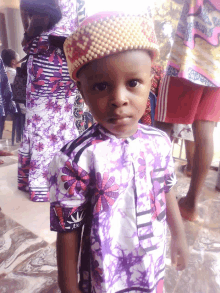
179, 247
67, 258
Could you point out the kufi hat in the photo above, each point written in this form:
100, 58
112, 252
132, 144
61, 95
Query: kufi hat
108, 33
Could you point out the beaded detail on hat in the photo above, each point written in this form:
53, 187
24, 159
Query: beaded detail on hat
105, 36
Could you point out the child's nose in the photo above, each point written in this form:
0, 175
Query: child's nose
119, 98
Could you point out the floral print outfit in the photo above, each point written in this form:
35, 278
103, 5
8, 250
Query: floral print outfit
115, 188
54, 106
190, 88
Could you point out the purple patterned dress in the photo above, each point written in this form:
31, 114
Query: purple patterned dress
116, 189
54, 106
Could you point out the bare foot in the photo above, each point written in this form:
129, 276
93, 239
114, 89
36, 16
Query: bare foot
187, 212
5, 153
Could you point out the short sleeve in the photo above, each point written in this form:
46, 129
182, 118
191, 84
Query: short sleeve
68, 186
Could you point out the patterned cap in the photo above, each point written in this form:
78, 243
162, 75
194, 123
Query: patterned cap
108, 33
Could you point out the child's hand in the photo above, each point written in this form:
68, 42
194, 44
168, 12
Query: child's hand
179, 252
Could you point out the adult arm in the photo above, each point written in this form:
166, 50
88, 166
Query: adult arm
67, 259
179, 247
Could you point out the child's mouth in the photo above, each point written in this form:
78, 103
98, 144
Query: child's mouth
120, 119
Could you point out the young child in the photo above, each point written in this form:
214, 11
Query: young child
110, 188
10, 59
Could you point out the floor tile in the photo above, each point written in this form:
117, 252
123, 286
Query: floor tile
211, 181
172, 277
212, 220
6, 223
27, 263
17, 205
7, 162
203, 272
16, 244
6, 144
37, 274
191, 231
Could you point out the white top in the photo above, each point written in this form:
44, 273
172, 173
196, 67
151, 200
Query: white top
11, 73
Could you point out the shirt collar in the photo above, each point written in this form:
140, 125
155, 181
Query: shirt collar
113, 137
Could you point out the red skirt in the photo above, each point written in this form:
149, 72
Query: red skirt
181, 101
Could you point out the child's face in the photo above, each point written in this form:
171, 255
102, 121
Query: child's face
116, 89
17, 60
14, 62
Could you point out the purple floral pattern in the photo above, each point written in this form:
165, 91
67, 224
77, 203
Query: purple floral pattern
75, 178
105, 192
51, 98
116, 189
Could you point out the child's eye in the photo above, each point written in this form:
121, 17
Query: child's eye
100, 87
133, 83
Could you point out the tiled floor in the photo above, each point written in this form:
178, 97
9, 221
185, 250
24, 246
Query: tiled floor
27, 247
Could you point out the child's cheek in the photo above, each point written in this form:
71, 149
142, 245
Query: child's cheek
101, 105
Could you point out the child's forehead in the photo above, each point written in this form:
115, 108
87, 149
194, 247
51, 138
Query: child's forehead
129, 63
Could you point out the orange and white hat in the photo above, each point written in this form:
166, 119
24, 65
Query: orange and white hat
108, 33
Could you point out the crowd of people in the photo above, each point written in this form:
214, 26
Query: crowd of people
93, 93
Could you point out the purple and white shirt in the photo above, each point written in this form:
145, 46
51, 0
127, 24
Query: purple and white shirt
115, 188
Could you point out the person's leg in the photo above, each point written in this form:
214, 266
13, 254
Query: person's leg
204, 148
190, 148
166, 127
177, 102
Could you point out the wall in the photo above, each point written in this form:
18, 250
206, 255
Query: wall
10, 3
3, 32
13, 24
14, 29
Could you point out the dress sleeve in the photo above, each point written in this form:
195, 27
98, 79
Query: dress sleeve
68, 186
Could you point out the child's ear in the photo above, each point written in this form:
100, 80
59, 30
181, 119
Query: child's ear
79, 86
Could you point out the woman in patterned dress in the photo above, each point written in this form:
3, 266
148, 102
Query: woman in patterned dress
54, 105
